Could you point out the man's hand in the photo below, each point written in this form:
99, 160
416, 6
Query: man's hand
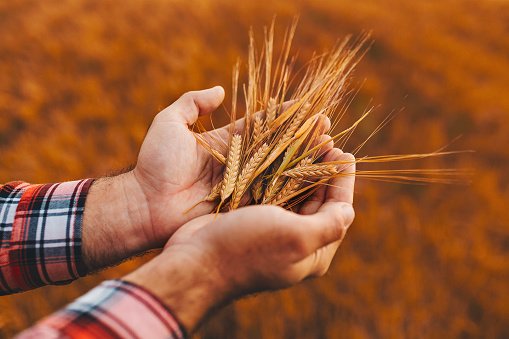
174, 171
209, 262
141, 209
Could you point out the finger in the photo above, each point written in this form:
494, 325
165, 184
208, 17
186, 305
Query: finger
317, 263
318, 136
223, 132
325, 148
191, 227
323, 124
315, 200
340, 189
193, 104
332, 155
323, 258
328, 225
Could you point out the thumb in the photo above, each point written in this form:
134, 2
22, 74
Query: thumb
329, 224
193, 104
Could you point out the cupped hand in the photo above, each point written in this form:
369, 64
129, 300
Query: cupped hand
173, 170
141, 209
209, 262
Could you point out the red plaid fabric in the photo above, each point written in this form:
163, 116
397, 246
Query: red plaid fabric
40, 243
40, 234
114, 309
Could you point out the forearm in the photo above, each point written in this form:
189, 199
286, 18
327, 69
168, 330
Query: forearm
115, 213
55, 233
49, 232
190, 290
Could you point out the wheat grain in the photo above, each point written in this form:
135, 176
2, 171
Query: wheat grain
218, 155
271, 112
294, 126
257, 128
272, 189
214, 192
292, 185
246, 175
312, 170
232, 167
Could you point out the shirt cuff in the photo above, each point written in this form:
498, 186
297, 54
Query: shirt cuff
43, 244
114, 309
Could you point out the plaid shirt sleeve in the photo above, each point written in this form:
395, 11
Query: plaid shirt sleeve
114, 309
40, 243
40, 234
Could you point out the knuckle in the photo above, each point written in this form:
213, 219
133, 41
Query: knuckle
349, 156
188, 96
157, 117
272, 214
322, 263
299, 245
160, 117
322, 270
338, 225
318, 272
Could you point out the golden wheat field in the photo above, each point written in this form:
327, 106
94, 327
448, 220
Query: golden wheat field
81, 80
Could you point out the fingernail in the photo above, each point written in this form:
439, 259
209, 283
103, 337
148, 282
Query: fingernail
348, 214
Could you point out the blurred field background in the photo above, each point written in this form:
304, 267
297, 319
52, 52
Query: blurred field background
80, 81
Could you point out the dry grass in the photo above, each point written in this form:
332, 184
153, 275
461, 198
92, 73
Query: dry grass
282, 142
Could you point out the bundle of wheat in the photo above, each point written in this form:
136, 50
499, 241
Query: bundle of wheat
273, 155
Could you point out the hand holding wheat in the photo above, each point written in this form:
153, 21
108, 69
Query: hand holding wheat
210, 261
173, 171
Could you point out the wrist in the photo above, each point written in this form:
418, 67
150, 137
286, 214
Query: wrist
190, 288
113, 223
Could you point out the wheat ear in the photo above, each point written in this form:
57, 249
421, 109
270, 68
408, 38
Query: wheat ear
294, 125
218, 155
247, 174
272, 188
257, 189
271, 112
214, 192
292, 185
312, 170
257, 128
232, 167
